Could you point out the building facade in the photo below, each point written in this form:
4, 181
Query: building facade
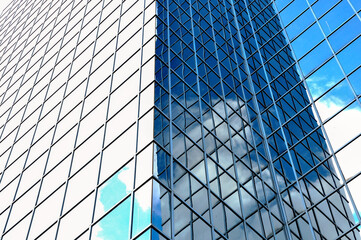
325, 38
172, 119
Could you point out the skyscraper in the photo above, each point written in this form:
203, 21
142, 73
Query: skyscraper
169, 119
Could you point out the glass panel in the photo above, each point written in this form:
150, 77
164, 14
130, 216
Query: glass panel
118, 153
46, 213
161, 215
307, 41
115, 225
348, 59
144, 236
19, 231
146, 128
115, 189
157, 236
334, 100
324, 78
23, 206
144, 165
84, 236
345, 126
322, 6
49, 234
345, 34
201, 230
349, 157
300, 24
356, 4
282, 3
292, 11
354, 187
81, 184
77, 220
334, 18
315, 58
142, 208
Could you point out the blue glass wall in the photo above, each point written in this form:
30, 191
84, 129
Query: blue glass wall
239, 152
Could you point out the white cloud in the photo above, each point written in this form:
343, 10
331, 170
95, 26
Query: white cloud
340, 130
345, 126
327, 107
126, 177
319, 84
143, 197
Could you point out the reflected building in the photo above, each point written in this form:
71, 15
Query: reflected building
173, 119
325, 39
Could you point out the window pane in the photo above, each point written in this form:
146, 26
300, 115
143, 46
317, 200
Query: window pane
115, 189
349, 157
115, 225
293, 10
324, 78
356, 4
142, 208
335, 17
322, 6
334, 100
349, 60
345, 34
315, 58
144, 236
307, 41
300, 24
345, 126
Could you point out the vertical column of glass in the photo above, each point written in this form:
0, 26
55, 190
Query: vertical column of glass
142, 199
110, 218
49, 166
177, 86
163, 201
216, 65
266, 171
260, 89
7, 192
123, 202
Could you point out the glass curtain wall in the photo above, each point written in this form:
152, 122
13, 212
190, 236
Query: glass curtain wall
243, 156
179, 119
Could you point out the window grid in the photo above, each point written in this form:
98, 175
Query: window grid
229, 149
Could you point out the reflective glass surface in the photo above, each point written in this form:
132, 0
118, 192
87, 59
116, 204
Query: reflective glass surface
173, 119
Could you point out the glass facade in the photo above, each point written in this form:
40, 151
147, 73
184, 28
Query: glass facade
173, 119
325, 39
